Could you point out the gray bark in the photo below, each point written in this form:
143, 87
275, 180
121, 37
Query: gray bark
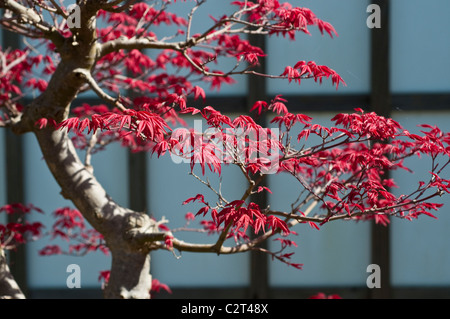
8, 286
130, 272
130, 276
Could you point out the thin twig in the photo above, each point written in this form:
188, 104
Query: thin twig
98, 90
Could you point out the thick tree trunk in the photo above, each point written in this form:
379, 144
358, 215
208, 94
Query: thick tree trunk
130, 272
8, 286
77, 183
130, 276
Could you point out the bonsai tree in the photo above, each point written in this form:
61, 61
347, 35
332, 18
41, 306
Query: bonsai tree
149, 84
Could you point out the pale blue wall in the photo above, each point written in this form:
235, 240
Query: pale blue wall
348, 54
42, 190
420, 248
169, 185
201, 21
420, 46
337, 254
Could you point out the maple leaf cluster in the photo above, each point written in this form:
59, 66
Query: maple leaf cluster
69, 225
14, 66
322, 295
284, 18
20, 231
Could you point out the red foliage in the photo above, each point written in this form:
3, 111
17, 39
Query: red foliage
344, 172
70, 226
322, 295
19, 231
157, 286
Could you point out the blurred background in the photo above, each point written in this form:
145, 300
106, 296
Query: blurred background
401, 70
